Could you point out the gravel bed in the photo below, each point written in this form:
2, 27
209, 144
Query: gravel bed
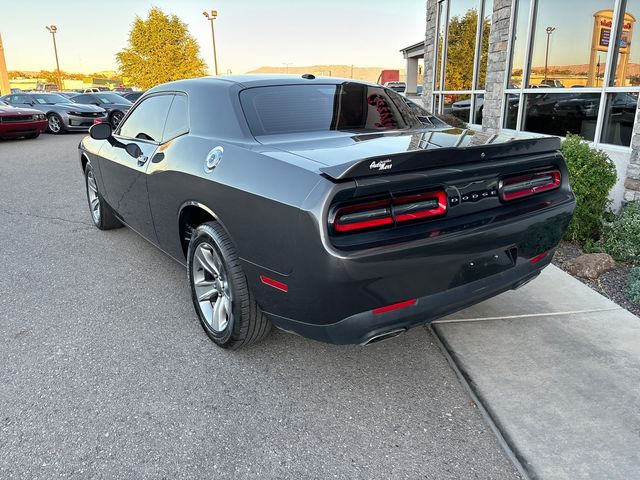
612, 285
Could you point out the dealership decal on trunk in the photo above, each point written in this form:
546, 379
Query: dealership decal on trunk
381, 165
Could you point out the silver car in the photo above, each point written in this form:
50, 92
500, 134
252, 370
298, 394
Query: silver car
62, 114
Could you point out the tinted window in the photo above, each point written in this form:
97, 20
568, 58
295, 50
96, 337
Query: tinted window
147, 121
303, 108
178, 120
83, 99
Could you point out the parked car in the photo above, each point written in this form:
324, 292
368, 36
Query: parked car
396, 86
69, 95
326, 207
21, 122
96, 90
121, 90
62, 114
115, 105
133, 96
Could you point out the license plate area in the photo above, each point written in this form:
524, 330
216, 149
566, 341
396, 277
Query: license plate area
485, 266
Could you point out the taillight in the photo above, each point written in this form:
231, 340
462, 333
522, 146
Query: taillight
530, 184
390, 211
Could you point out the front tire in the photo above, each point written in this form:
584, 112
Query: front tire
55, 124
226, 309
116, 118
101, 213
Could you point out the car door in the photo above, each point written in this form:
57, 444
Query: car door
124, 176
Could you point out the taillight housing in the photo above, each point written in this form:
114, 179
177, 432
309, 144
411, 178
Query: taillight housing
526, 185
388, 212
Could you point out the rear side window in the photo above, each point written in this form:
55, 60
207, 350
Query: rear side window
147, 121
349, 106
178, 119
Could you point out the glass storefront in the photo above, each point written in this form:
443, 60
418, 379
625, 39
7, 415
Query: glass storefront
563, 76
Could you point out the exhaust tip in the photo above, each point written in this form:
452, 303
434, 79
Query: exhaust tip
384, 336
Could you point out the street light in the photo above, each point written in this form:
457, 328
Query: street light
287, 66
550, 30
53, 30
211, 17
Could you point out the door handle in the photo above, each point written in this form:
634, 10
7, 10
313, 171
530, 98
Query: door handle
142, 159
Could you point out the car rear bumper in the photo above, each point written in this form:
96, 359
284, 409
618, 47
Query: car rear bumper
363, 327
336, 297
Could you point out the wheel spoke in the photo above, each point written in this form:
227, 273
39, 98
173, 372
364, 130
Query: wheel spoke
206, 260
205, 290
220, 314
95, 204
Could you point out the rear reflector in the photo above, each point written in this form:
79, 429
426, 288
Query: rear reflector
538, 257
396, 306
527, 185
274, 283
390, 211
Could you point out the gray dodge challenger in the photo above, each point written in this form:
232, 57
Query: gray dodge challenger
327, 207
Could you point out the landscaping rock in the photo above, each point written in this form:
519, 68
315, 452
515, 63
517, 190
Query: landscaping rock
591, 265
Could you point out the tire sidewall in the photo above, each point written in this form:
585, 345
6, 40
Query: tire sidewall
87, 169
205, 233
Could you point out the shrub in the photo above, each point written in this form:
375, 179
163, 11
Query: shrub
633, 285
621, 237
592, 175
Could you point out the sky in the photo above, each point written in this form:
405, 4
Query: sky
249, 33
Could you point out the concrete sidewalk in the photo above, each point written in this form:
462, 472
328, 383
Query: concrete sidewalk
557, 367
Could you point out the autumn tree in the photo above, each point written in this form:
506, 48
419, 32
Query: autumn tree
160, 50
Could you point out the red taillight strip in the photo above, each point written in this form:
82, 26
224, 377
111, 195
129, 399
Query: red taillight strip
396, 306
388, 215
528, 190
538, 257
274, 283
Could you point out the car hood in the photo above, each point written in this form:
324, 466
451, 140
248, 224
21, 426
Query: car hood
339, 152
78, 107
8, 110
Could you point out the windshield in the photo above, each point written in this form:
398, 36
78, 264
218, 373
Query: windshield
111, 98
352, 107
49, 98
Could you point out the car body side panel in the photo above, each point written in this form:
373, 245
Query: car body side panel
256, 197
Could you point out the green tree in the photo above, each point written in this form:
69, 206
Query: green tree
461, 48
160, 50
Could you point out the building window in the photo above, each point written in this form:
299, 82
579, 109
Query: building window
462, 56
563, 76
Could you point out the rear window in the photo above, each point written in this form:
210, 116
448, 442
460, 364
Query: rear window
306, 108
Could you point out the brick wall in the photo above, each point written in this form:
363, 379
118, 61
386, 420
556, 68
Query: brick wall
497, 65
429, 53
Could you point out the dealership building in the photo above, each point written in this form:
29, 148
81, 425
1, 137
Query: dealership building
538, 66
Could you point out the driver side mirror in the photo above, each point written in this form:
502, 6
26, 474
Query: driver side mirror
100, 131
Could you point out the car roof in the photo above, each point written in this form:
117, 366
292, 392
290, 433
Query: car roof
252, 80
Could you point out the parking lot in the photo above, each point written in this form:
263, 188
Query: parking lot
105, 371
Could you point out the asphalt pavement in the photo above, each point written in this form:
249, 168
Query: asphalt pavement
106, 373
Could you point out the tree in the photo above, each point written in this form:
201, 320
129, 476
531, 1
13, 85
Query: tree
160, 50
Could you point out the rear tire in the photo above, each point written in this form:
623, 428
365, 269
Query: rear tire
240, 322
101, 213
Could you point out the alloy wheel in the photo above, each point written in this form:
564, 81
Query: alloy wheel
212, 287
92, 194
116, 118
54, 124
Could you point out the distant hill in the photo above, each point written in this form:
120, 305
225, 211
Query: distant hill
368, 74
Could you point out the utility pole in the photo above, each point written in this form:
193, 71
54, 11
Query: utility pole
287, 66
4, 74
53, 30
550, 30
211, 17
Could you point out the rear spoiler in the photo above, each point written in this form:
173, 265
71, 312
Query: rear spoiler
440, 157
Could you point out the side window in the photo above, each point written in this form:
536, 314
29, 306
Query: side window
147, 121
178, 119
86, 99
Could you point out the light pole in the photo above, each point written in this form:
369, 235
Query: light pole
53, 30
211, 17
287, 66
550, 30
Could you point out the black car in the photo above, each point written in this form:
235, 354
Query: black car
324, 206
115, 105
